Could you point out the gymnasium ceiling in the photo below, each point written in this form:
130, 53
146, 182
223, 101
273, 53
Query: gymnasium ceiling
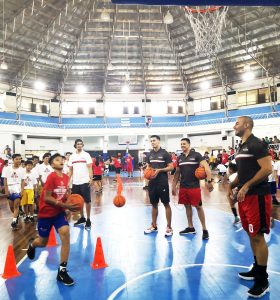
67, 41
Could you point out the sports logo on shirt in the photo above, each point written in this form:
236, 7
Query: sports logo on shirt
251, 228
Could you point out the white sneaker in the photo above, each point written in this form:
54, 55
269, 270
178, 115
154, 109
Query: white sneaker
169, 231
150, 229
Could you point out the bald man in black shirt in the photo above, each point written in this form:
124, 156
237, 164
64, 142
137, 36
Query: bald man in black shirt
254, 200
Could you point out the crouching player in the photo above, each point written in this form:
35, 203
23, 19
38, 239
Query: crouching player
52, 212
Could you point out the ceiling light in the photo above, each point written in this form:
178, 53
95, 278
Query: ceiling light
166, 89
168, 18
150, 66
105, 16
125, 89
4, 66
205, 85
39, 85
247, 76
110, 67
81, 89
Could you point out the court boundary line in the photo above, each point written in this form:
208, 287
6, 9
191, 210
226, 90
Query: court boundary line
129, 282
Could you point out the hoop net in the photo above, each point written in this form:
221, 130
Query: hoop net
207, 24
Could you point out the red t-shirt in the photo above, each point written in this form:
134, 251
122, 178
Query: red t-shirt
129, 162
116, 163
224, 158
174, 161
2, 164
58, 185
97, 170
231, 151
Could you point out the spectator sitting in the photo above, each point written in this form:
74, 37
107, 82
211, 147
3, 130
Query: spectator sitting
222, 171
276, 140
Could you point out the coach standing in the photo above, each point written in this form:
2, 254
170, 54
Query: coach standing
254, 200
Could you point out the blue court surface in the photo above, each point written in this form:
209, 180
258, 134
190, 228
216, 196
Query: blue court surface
148, 266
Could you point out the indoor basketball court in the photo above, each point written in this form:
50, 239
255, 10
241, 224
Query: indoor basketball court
128, 168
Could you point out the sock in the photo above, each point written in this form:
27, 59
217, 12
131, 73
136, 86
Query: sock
234, 211
14, 219
255, 258
62, 266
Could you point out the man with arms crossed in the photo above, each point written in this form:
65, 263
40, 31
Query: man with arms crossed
80, 168
160, 160
190, 193
254, 200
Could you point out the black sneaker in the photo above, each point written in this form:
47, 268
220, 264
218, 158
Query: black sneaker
205, 235
31, 250
81, 221
188, 230
88, 224
63, 276
250, 275
14, 225
259, 289
31, 219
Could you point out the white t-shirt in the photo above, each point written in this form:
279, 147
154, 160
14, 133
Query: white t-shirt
222, 168
277, 167
79, 162
29, 179
35, 171
271, 177
44, 171
65, 168
14, 177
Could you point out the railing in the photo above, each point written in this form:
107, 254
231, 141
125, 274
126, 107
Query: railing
134, 125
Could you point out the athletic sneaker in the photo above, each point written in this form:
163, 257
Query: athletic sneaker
88, 224
63, 276
26, 219
250, 275
258, 290
205, 235
236, 220
14, 225
151, 229
81, 221
168, 232
188, 230
31, 219
31, 250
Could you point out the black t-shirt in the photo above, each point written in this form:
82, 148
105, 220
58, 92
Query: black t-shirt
159, 160
247, 166
188, 165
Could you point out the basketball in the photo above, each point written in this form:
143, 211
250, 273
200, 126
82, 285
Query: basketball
200, 173
119, 201
76, 199
149, 173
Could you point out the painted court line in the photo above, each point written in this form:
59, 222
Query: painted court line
124, 286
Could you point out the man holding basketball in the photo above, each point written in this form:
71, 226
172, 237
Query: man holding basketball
190, 193
80, 168
52, 212
160, 160
254, 200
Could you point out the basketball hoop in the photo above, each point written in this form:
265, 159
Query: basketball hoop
207, 24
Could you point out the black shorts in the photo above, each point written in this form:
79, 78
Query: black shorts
118, 170
159, 192
83, 190
97, 177
272, 186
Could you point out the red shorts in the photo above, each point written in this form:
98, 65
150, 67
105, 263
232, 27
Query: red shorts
255, 212
190, 196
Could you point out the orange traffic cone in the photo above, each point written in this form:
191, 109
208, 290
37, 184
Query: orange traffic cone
99, 260
10, 269
52, 239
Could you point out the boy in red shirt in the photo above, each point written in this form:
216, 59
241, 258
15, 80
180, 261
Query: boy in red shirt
52, 212
129, 166
97, 170
115, 162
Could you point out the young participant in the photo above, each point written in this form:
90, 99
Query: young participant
190, 193
97, 168
52, 212
222, 171
129, 166
117, 165
45, 169
174, 162
12, 182
160, 160
232, 170
254, 200
29, 189
80, 171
